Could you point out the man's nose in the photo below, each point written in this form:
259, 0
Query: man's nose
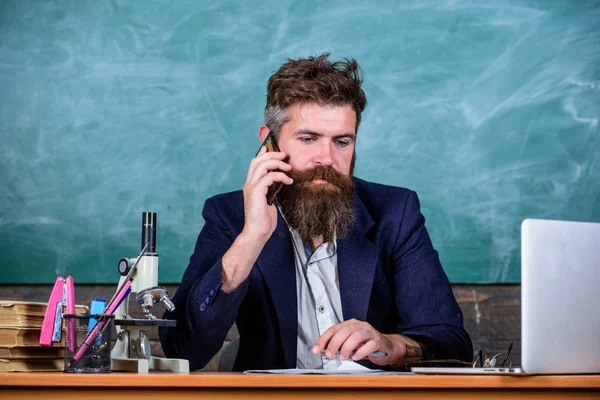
325, 155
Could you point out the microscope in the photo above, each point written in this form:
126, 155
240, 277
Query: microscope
132, 351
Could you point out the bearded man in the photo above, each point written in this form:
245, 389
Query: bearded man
337, 268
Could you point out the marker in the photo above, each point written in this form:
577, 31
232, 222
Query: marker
97, 307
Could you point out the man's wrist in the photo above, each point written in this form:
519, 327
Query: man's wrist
239, 259
406, 350
414, 350
249, 237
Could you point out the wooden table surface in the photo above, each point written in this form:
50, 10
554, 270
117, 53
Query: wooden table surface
235, 385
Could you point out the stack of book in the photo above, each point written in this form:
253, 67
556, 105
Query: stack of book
20, 326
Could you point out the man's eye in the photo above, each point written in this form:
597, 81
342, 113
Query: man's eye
342, 143
307, 139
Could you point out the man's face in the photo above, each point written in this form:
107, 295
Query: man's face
319, 136
319, 142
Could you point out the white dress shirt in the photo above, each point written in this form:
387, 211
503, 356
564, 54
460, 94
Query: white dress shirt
319, 301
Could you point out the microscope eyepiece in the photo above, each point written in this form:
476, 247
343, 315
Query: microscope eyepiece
149, 232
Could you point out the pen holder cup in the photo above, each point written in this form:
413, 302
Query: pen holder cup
88, 342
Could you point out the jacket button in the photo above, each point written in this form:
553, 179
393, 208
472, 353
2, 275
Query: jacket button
212, 293
202, 307
207, 300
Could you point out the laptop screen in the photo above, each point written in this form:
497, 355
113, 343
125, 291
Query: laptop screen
560, 297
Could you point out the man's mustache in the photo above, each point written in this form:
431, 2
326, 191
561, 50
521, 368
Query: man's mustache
323, 172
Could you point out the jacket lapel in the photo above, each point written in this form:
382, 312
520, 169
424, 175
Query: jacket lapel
277, 265
357, 259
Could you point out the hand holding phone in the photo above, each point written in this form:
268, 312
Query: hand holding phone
271, 145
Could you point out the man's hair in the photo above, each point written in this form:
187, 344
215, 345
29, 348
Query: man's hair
313, 80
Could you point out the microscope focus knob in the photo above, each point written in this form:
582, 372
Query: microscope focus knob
142, 348
148, 297
168, 303
124, 266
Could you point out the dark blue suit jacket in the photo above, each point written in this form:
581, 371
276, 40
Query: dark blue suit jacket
389, 275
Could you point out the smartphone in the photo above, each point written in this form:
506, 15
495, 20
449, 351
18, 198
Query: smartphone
271, 145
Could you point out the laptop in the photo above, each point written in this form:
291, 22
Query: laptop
560, 301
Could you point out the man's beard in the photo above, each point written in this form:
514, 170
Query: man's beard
318, 209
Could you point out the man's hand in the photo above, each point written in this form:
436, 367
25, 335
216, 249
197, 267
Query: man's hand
357, 339
260, 219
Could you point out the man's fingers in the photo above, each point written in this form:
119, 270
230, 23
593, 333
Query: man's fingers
338, 339
272, 155
323, 340
260, 167
350, 339
333, 338
370, 346
264, 155
273, 177
267, 155
352, 343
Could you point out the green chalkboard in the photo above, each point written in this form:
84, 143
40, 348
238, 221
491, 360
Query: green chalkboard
489, 110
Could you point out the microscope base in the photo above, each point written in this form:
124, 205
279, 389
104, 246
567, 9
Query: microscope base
142, 366
131, 340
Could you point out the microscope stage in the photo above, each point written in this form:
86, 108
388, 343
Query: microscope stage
146, 322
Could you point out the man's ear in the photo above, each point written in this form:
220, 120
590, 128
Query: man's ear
263, 132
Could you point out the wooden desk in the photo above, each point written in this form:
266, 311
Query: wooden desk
122, 386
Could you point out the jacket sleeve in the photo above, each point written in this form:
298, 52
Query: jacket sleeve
428, 310
204, 313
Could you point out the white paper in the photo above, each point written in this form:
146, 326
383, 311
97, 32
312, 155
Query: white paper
346, 367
